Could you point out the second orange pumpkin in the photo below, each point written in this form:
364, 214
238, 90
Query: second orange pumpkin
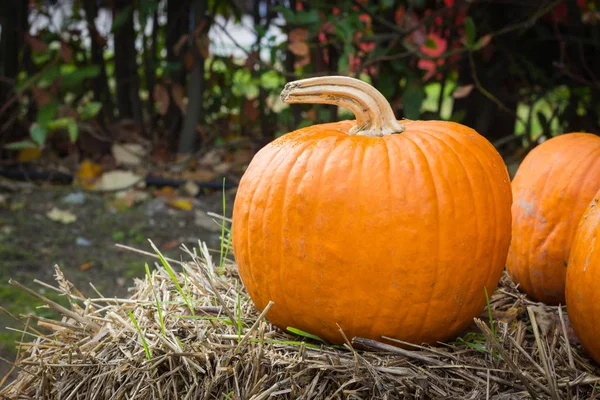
551, 190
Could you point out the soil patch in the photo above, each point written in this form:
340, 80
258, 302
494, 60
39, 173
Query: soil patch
31, 243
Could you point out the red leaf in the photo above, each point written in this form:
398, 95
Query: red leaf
251, 112
300, 49
161, 96
179, 45
298, 35
65, 52
36, 44
178, 93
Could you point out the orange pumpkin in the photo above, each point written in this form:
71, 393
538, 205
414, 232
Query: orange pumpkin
378, 226
551, 190
583, 275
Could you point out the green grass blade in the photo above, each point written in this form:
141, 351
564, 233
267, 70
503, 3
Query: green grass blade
137, 327
159, 309
171, 273
305, 334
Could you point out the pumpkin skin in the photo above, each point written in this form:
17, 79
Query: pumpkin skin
581, 287
551, 190
384, 236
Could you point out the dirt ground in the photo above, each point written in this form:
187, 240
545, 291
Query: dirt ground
31, 243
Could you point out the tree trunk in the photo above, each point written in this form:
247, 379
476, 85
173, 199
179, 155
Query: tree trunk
195, 108
178, 12
266, 127
149, 57
100, 83
14, 21
126, 74
11, 43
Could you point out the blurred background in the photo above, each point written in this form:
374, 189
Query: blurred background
127, 120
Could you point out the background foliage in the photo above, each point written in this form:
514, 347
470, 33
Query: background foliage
187, 75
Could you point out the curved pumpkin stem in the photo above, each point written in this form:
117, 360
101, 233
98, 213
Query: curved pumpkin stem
374, 115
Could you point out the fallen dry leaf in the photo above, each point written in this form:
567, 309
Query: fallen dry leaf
88, 173
510, 316
167, 192
62, 216
124, 200
130, 154
117, 180
169, 245
544, 319
29, 154
222, 168
85, 266
191, 188
201, 175
211, 158
182, 204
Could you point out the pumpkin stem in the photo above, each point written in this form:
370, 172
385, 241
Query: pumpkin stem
374, 115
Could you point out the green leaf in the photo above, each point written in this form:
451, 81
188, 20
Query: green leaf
59, 123
121, 18
90, 110
73, 130
343, 63
38, 134
387, 84
430, 44
288, 14
23, 144
458, 116
173, 67
147, 8
308, 17
343, 30
49, 76
47, 113
412, 99
79, 74
470, 31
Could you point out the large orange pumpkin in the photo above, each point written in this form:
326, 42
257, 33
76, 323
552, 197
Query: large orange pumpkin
583, 275
383, 227
551, 190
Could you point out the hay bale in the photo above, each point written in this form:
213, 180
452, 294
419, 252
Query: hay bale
195, 334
